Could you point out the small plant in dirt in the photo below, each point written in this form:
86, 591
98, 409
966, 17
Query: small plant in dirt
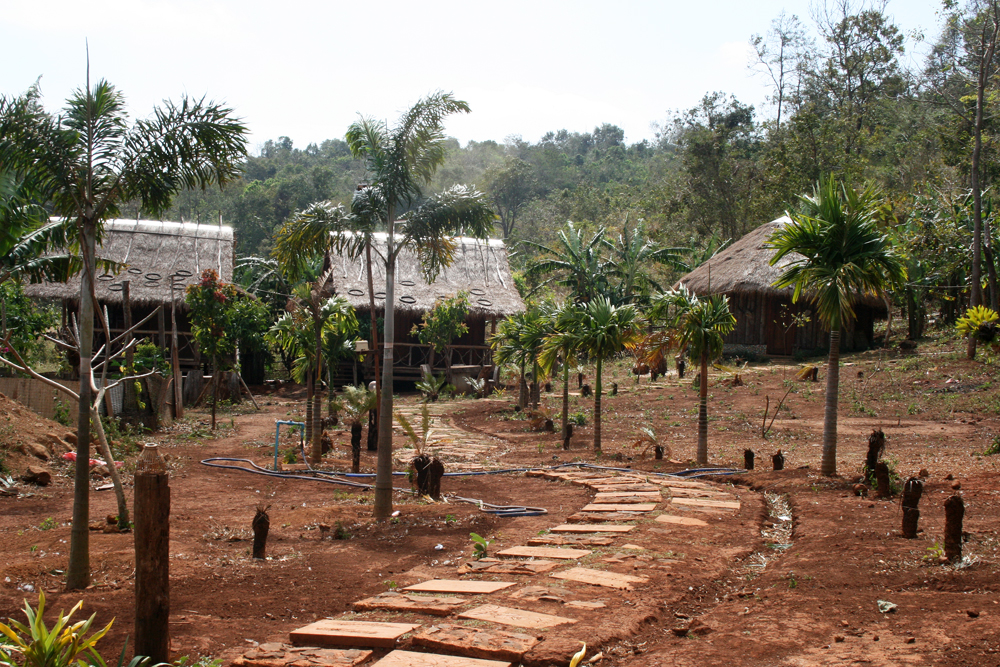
479, 545
432, 386
935, 552
994, 447
290, 455
578, 419
48, 524
417, 440
340, 531
449, 519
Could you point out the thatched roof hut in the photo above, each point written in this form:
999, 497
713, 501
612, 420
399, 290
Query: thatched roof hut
157, 255
480, 268
764, 313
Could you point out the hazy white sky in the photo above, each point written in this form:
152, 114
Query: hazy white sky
305, 69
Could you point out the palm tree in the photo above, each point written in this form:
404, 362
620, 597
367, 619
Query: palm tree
89, 163
355, 403
578, 262
704, 323
560, 346
301, 332
601, 330
633, 254
399, 161
843, 257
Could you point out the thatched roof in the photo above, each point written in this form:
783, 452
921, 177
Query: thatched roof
745, 268
480, 268
157, 255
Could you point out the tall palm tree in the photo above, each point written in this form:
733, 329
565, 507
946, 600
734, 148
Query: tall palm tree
399, 161
843, 257
90, 163
576, 260
601, 330
704, 323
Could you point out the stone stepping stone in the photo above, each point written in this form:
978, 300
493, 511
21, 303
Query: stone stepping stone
625, 499
528, 567
564, 540
601, 517
400, 658
619, 507
545, 552
476, 642
622, 488
600, 578
586, 604
574, 528
274, 654
707, 502
656, 495
699, 493
595, 480
681, 520
536, 594
459, 586
329, 632
421, 604
676, 483
517, 617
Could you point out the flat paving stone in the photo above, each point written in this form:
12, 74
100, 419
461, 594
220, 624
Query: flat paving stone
575, 528
614, 507
570, 540
707, 502
699, 493
625, 499
656, 495
676, 483
282, 655
681, 520
401, 658
526, 567
545, 552
597, 479
621, 488
459, 586
586, 604
421, 604
476, 642
329, 632
600, 578
601, 517
517, 617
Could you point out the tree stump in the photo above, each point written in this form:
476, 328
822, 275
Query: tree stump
152, 557
614, 388
261, 525
778, 460
356, 428
912, 490
681, 365
567, 436
954, 512
884, 490
420, 466
435, 471
658, 452
748, 457
585, 391
373, 430
876, 447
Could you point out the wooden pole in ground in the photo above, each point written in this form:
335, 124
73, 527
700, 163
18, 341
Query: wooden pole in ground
912, 490
174, 358
152, 557
954, 513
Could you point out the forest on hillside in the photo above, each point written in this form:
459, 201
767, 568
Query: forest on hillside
846, 98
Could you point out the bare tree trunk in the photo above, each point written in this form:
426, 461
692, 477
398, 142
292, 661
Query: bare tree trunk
565, 400
310, 388
116, 480
702, 455
383, 470
373, 423
317, 411
78, 572
597, 405
829, 465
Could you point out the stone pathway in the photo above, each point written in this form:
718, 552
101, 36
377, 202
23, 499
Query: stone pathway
499, 639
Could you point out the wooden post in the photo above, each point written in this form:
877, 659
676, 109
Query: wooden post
161, 325
954, 513
174, 360
912, 491
152, 556
130, 405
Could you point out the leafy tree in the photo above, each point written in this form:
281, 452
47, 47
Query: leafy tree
211, 303
399, 161
560, 346
601, 330
88, 163
509, 186
844, 257
355, 404
22, 319
784, 54
443, 324
704, 323
518, 340
633, 256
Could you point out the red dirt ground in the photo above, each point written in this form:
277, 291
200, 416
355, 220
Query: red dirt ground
814, 603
